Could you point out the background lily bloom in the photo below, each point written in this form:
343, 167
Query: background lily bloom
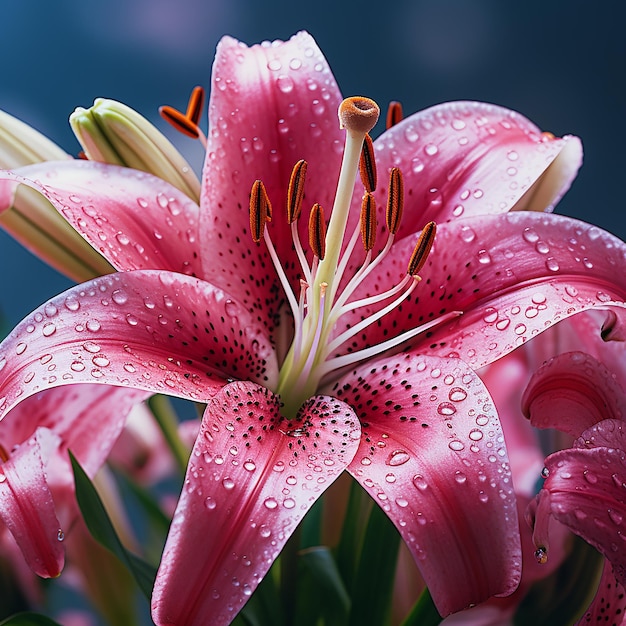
583, 488
199, 306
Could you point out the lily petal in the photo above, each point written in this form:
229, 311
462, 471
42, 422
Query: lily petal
69, 412
561, 266
27, 508
150, 330
135, 220
471, 158
588, 499
251, 478
572, 392
609, 604
432, 455
252, 137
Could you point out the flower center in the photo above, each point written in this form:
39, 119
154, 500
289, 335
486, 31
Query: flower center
326, 291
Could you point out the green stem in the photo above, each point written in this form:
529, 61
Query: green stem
167, 420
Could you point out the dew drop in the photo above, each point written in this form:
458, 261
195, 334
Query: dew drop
446, 408
456, 445
270, 503
249, 466
484, 257
457, 394
119, 297
93, 325
476, 434
48, 329
590, 477
390, 478
467, 234
228, 483
530, 235
402, 502
460, 477
291, 480
289, 503
420, 482
482, 420
398, 457
541, 555
60, 535
264, 531
552, 264
210, 503
431, 149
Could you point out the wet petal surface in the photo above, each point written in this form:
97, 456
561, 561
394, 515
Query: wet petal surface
251, 478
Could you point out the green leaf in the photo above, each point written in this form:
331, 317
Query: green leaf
322, 592
102, 530
423, 612
28, 619
373, 584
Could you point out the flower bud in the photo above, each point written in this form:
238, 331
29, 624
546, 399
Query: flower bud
112, 132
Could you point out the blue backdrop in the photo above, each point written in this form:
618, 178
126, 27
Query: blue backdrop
562, 64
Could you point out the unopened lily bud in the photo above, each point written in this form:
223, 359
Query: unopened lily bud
30, 218
112, 132
20, 144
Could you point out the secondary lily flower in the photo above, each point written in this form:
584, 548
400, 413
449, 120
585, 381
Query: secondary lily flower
584, 485
36, 482
294, 350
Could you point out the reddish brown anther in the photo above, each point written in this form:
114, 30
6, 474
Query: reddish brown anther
317, 231
422, 249
358, 114
179, 121
368, 221
260, 210
395, 200
4, 455
394, 114
367, 165
195, 106
295, 193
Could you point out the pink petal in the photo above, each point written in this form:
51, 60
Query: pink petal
571, 392
134, 219
471, 158
432, 455
27, 509
271, 105
586, 493
512, 276
251, 478
87, 419
157, 331
609, 604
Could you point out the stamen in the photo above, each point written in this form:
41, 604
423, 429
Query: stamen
422, 249
394, 114
179, 121
317, 231
367, 165
395, 200
260, 210
295, 193
4, 455
195, 105
368, 221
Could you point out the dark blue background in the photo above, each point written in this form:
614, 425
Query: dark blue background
560, 63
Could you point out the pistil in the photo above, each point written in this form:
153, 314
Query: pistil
315, 352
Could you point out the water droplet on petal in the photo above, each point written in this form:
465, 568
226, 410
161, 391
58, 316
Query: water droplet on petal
398, 457
457, 394
420, 482
460, 477
270, 503
228, 483
249, 466
456, 445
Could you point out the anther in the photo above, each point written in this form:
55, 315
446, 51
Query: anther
394, 114
295, 193
179, 121
317, 231
368, 221
4, 455
358, 114
541, 554
195, 105
367, 165
260, 210
395, 200
422, 249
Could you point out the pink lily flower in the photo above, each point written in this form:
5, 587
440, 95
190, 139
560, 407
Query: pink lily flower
294, 351
583, 488
36, 481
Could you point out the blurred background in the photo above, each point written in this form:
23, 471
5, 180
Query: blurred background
562, 64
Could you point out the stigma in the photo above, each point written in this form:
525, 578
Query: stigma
327, 289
